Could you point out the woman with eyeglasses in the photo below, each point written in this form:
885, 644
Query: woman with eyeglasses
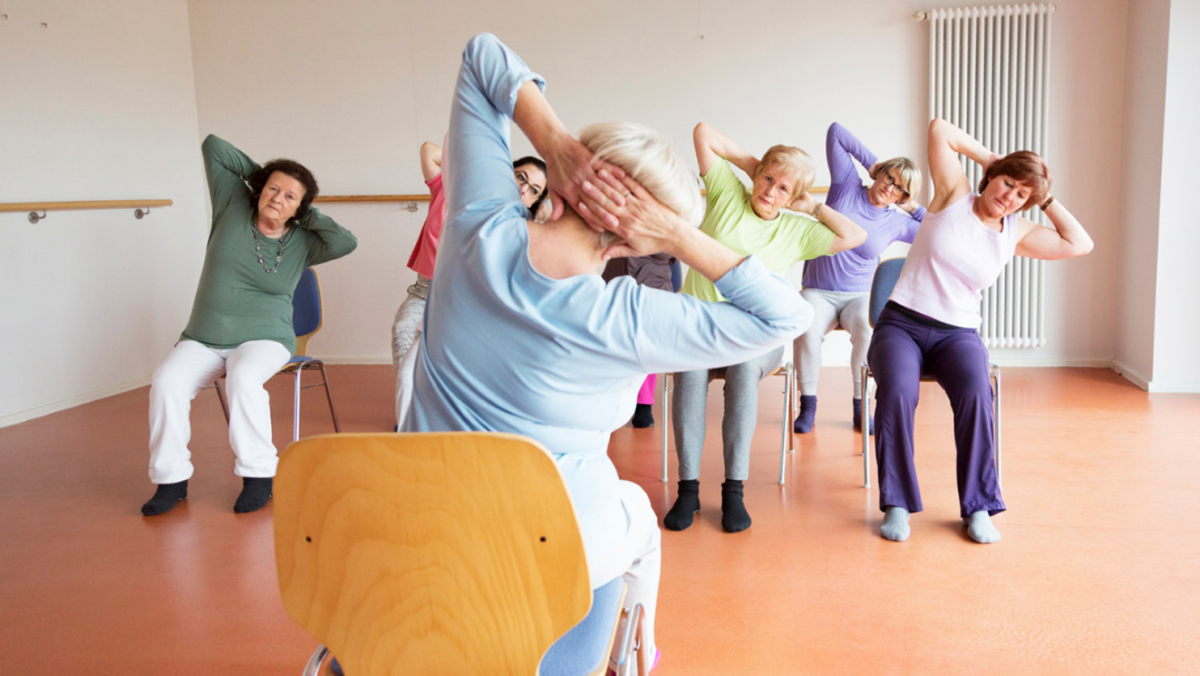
839, 286
530, 175
931, 321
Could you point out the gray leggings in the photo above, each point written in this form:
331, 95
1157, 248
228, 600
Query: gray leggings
741, 414
830, 308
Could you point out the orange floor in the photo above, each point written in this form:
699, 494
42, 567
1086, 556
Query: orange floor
1098, 571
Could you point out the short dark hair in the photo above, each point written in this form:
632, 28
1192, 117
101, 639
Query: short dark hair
1023, 166
258, 181
537, 162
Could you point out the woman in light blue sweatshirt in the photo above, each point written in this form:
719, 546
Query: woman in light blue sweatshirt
522, 335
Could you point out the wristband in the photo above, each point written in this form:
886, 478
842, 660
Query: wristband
1047, 203
817, 210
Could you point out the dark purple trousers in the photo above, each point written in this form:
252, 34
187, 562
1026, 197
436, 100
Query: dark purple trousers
901, 350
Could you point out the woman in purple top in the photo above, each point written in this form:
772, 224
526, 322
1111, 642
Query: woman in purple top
838, 286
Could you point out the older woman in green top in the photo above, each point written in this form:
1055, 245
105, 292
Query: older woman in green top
264, 233
749, 222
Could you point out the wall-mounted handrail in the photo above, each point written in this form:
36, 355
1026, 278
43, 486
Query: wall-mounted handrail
817, 189
140, 207
372, 198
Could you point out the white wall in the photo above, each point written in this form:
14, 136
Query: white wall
1140, 185
99, 104
1177, 322
1159, 317
110, 101
358, 89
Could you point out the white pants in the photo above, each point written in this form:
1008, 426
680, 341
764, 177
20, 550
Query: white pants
640, 555
191, 366
404, 380
830, 308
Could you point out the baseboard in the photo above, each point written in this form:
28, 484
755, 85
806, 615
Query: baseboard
1049, 362
1131, 374
71, 402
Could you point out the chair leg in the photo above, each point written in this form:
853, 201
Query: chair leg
314, 663
787, 424
996, 404
296, 408
865, 395
666, 423
221, 398
337, 426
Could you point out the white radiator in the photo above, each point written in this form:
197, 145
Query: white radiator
989, 74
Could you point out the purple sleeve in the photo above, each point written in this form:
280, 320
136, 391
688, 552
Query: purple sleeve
840, 147
910, 231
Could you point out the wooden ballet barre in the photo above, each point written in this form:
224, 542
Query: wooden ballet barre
140, 207
413, 199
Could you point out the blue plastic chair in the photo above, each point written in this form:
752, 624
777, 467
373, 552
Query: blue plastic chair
306, 322
886, 276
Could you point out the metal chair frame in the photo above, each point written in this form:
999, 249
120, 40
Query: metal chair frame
993, 372
787, 442
298, 365
879, 296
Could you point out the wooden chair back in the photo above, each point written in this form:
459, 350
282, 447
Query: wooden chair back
436, 553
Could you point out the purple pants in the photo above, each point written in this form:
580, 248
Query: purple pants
901, 350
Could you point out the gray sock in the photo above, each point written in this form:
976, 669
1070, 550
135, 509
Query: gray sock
895, 524
981, 529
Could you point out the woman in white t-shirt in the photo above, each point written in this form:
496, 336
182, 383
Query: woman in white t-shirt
931, 322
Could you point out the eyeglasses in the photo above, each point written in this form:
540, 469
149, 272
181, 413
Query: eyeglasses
891, 182
523, 180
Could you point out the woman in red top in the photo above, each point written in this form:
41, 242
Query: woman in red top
530, 175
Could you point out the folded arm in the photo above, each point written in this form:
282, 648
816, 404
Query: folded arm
1066, 239
946, 143
840, 147
227, 170
333, 241
712, 144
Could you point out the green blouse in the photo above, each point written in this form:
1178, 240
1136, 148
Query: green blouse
237, 301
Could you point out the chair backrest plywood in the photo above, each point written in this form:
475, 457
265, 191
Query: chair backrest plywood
434, 553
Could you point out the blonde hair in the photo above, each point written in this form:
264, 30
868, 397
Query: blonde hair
648, 158
910, 175
793, 161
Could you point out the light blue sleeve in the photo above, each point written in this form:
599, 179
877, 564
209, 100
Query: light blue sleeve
676, 332
478, 160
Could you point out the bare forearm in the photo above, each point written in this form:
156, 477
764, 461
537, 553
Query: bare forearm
1069, 229
848, 234
726, 148
964, 144
704, 254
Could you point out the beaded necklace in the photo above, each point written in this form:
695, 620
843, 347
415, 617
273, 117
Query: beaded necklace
258, 250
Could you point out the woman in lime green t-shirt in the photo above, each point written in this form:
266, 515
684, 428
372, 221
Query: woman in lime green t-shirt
751, 222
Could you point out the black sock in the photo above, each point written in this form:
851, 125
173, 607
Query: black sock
734, 517
256, 492
166, 496
685, 507
643, 416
